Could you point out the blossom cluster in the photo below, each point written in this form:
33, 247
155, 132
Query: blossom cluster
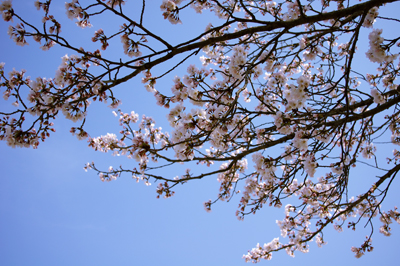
17, 33
131, 48
114, 3
368, 150
296, 96
6, 10
378, 97
386, 219
370, 18
262, 252
237, 62
293, 11
100, 36
171, 11
75, 11
376, 52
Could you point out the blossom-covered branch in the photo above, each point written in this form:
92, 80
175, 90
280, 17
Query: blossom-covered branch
279, 87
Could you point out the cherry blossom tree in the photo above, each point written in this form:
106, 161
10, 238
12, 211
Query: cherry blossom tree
279, 87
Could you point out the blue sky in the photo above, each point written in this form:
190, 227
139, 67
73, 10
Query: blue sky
54, 213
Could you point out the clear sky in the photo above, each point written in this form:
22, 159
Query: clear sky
54, 213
